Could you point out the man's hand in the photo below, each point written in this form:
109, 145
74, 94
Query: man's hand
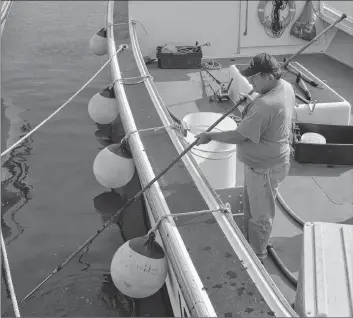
204, 138
248, 97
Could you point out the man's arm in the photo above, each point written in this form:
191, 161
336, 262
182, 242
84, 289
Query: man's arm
229, 137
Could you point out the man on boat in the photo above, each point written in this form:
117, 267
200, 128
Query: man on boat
263, 145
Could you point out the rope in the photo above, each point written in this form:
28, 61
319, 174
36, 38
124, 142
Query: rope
121, 80
224, 209
276, 24
121, 48
132, 21
212, 65
154, 129
9, 279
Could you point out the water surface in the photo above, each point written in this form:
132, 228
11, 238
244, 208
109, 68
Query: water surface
51, 202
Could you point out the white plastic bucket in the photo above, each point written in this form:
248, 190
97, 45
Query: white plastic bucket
313, 138
217, 160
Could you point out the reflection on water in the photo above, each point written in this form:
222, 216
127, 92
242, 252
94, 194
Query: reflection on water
107, 204
124, 305
15, 191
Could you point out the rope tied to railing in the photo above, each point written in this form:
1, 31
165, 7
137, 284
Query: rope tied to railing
123, 80
174, 126
222, 209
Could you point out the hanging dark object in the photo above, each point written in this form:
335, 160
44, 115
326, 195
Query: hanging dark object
276, 23
304, 28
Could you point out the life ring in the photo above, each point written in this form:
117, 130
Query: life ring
267, 23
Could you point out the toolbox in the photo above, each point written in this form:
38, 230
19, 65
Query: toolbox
338, 149
181, 60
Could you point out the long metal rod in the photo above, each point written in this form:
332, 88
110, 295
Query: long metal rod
314, 39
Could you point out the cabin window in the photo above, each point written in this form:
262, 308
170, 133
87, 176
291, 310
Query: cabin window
332, 10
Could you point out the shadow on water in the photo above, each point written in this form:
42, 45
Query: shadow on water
103, 134
15, 191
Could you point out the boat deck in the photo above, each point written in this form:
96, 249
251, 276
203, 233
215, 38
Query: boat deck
314, 192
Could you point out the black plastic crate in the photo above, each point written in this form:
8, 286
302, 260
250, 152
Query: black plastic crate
338, 149
189, 60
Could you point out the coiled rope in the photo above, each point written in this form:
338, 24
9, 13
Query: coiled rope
276, 25
212, 65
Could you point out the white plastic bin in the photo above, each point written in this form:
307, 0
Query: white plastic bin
217, 160
239, 85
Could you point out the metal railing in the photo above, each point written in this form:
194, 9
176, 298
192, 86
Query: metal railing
5, 9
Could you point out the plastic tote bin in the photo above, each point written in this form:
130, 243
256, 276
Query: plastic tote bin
191, 60
338, 149
325, 284
217, 160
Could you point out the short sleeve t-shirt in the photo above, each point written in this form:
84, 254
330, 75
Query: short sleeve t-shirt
267, 126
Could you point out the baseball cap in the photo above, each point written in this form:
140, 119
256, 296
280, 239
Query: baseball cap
261, 63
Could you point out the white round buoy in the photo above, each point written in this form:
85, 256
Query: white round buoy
103, 107
313, 138
139, 267
99, 42
113, 167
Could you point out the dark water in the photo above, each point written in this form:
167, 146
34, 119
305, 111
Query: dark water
51, 202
